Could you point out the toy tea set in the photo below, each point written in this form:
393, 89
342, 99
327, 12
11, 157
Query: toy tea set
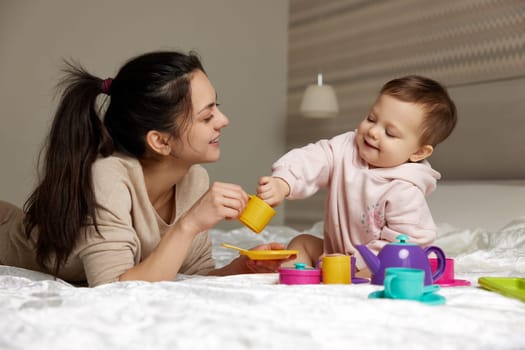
404, 269
332, 269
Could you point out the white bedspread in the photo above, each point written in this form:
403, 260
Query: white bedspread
254, 312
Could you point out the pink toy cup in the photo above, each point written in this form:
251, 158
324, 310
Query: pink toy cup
447, 279
299, 275
448, 274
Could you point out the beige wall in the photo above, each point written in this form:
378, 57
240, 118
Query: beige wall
243, 45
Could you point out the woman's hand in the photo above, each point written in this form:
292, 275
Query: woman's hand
222, 201
267, 266
273, 190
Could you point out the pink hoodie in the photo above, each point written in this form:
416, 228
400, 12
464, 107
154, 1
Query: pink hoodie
363, 206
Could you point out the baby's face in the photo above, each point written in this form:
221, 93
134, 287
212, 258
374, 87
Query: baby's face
389, 135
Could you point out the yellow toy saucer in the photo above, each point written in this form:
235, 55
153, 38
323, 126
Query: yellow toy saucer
263, 254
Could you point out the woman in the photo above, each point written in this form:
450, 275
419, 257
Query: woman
125, 199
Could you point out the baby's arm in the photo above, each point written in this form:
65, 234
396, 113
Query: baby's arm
409, 214
273, 190
302, 171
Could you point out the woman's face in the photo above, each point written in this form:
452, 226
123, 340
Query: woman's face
199, 142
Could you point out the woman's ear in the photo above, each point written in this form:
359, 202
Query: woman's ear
422, 153
159, 142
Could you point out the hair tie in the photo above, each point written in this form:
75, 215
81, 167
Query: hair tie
106, 86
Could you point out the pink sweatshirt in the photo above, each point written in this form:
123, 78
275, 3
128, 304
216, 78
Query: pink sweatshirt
363, 206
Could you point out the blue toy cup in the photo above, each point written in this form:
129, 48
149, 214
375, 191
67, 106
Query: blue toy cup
406, 283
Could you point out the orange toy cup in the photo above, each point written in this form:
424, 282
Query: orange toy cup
257, 214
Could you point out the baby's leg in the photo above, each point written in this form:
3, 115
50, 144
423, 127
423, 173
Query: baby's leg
310, 249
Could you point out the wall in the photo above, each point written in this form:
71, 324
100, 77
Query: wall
476, 48
243, 45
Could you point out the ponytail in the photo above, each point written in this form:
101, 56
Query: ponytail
64, 200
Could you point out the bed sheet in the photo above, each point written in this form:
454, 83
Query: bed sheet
255, 312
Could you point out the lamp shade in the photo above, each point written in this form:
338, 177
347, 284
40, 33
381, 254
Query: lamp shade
319, 101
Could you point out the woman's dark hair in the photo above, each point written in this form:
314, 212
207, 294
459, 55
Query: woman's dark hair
150, 92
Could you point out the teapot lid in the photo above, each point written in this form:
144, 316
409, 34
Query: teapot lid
402, 240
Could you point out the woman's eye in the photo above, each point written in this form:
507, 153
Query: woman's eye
370, 119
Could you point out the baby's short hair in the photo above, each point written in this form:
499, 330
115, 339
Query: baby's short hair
440, 111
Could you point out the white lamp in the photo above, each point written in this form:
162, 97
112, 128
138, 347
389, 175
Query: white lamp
319, 101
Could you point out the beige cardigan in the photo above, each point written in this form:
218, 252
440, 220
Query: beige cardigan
130, 226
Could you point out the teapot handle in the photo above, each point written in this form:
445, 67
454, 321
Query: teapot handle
441, 261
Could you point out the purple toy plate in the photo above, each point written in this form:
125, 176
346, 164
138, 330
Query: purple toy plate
358, 280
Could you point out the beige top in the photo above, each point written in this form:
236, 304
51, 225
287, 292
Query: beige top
130, 226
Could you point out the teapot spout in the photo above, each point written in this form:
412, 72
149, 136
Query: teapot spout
371, 260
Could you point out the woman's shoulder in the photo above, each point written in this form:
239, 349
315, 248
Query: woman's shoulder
116, 164
116, 174
197, 178
198, 172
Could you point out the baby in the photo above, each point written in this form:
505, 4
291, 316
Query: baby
377, 176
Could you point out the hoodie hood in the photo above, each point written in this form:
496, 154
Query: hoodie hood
420, 174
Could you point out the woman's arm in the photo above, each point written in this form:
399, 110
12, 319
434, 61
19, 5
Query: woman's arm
221, 201
165, 260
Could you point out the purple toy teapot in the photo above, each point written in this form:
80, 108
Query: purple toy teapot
402, 254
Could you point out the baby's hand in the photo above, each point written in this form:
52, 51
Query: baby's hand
272, 190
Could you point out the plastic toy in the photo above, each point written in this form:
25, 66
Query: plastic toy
336, 269
408, 284
513, 287
263, 254
304, 275
299, 275
257, 214
427, 298
356, 280
402, 254
447, 279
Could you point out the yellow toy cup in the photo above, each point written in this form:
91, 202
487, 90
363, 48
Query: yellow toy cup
257, 214
336, 269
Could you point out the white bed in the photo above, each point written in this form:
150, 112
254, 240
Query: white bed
255, 312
